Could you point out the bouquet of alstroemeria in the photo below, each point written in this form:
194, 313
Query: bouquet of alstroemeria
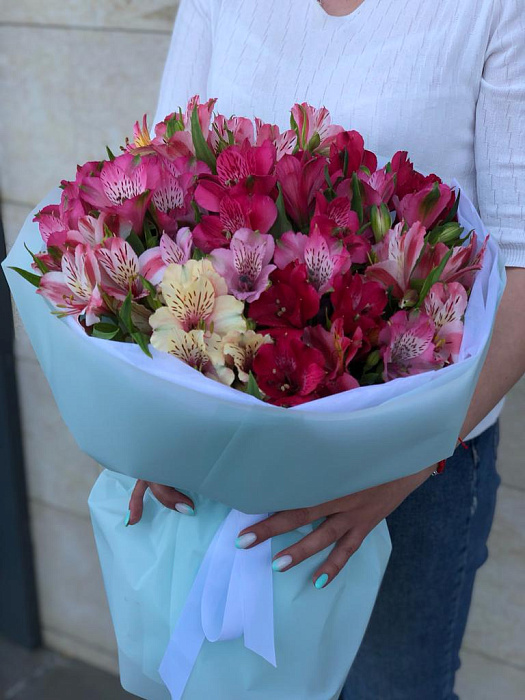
288, 265
356, 298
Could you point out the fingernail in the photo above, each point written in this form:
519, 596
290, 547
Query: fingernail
321, 581
245, 540
282, 562
184, 508
126, 520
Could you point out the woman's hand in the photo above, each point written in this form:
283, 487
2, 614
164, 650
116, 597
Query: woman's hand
348, 521
167, 495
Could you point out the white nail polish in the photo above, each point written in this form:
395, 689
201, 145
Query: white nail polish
245, 540
282, 563
184, 509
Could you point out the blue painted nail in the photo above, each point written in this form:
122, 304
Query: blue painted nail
245, 540
321, 581
126, 521
184, 508
282, 562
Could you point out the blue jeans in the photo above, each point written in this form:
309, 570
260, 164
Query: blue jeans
439, 535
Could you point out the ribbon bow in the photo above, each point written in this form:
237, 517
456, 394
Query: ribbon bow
232, 595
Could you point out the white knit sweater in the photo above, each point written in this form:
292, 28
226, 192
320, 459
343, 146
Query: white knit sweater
443, 80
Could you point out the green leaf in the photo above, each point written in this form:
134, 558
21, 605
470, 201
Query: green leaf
282, 223
125, 314
433, 277
106, 331
345, 162
111, 155
452, 213
197, 211
135, 243
142, 341
41, 265
252, 387
202, 150
153, 298
29, 276
357, 199
314, 143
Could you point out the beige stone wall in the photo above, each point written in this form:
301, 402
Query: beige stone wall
73, 77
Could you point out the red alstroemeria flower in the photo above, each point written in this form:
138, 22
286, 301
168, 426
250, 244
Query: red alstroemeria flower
290, 302
337, 219
300, 177
426, 206
288, 371
408, 180
338, 351
353, 144
360, 304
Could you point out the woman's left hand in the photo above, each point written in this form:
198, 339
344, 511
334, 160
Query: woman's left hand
348, 521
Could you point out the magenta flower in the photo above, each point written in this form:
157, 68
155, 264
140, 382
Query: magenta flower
324, 259
75, 289
284, 142
338, 220
232, 131
378, 186
245, 265
300, 177
408, 346
425, 206
154, 261
312, 123
446, 304
123, 187
398, 254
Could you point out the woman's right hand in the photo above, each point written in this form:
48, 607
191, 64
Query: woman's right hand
167, 495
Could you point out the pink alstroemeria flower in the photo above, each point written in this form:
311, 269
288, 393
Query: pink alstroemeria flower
300, 176
75, 289
337, 219
284, 142
120, 262
309, 122
446, 304
178, 142
462, 265
378, 186
230, 132
154, 261
408, 346
426, 206
245, 266
171, 201
349, 148
123, 188
398, 254
324, 258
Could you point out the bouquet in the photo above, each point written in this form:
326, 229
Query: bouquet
269, 319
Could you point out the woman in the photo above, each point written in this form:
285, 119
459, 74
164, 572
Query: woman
445, 81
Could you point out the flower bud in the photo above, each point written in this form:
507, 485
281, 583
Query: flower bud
381, 221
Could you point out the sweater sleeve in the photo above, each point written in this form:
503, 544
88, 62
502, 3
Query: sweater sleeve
500, 131
188, 62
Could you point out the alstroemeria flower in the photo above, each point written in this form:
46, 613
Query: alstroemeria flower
245, 265
284, 142
241, 348
230, 132
197, 298
256, 212
173, 135
312, 123
338, 351
75, 289
199, 349
425, 206
378, 186
291, 301
348, 149
408, 346
398, 254
300, 177
120, 262
461, 267
171, 201
337, 219
154, 261
360, 303
288, 371
446, 304
324, 259
123, 187
408, 180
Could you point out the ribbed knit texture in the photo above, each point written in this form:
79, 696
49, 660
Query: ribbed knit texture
444, 80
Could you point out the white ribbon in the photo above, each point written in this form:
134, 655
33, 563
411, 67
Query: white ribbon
232, 596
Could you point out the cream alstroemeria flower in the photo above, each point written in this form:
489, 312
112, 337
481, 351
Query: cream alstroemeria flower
197, 348
197, 297
241, 347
